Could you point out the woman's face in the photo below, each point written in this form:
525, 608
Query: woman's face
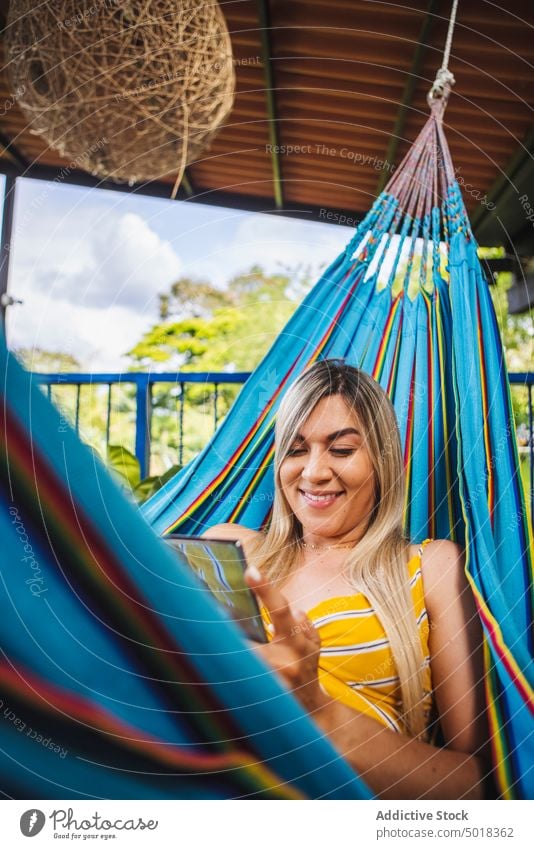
327, 476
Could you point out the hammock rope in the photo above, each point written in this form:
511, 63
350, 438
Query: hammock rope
444, 78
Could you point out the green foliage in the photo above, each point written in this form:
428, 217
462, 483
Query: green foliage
125, 467
517, 333
35, 359
208, 329
491, 253
179, 344
192, 297
91, 400
228, 330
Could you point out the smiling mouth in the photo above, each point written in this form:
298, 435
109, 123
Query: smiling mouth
319, 499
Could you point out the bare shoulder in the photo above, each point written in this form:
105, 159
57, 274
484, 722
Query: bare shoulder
231, 531
437, 550
442, 551
443, 569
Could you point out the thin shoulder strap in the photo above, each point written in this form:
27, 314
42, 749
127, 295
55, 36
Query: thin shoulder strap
423, 546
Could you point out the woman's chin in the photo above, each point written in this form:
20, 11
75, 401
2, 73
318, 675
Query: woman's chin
324, 533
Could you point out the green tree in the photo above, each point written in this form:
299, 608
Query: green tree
214, 330
45, 362
207, 329
517, 331
192, 298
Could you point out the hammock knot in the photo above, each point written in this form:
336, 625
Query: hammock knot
441, 87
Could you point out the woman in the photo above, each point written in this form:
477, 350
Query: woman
391, 635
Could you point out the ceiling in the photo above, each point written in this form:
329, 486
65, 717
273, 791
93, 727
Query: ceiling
327, 92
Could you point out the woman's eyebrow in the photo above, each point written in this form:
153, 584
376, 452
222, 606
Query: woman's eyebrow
347, 431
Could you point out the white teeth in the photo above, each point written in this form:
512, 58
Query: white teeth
313, 497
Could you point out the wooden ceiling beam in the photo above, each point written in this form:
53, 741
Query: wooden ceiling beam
474, 83
186, 184
266, 53
504, 186
212, 196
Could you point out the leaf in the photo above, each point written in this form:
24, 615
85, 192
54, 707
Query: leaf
125, 464
170, 473
145, 488
150, 485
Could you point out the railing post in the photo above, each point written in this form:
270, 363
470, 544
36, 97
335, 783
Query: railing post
531, 454
5, 244
142, 422
215, 404
181, 425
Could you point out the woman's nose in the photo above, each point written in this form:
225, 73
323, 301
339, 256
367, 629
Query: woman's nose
316, 466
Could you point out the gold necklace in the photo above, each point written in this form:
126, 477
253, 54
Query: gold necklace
327, 547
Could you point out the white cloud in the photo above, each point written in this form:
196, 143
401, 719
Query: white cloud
89, 283
271, 242
90, 274
131, 264
98, 338
115, 259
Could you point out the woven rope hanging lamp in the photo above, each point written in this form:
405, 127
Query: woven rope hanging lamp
130, 91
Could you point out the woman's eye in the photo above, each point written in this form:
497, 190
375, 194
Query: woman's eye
342, 452
295, 452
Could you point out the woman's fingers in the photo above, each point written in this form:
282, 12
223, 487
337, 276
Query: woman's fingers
285, 622
294, 651
275, 602
306, 626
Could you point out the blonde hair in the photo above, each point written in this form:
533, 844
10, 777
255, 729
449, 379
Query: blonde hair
376, 566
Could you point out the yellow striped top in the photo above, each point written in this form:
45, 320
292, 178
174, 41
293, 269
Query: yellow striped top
356, 664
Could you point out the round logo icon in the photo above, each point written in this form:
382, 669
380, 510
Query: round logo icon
32, 822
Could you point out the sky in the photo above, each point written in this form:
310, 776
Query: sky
89, 264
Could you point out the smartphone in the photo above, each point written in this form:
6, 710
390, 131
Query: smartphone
220, 566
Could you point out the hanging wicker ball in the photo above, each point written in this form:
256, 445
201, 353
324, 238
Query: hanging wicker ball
127, 89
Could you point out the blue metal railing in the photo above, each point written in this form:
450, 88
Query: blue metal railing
144, 383
526, 379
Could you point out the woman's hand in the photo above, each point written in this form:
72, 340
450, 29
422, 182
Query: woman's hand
294, 649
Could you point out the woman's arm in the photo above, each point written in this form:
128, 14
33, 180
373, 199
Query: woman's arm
398, 767
232, 532
394, 766
455, 644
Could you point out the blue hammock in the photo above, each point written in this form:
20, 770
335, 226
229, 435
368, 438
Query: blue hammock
407, 302
120, 677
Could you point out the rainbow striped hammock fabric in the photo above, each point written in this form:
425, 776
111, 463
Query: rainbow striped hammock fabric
407, 302
119, 677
